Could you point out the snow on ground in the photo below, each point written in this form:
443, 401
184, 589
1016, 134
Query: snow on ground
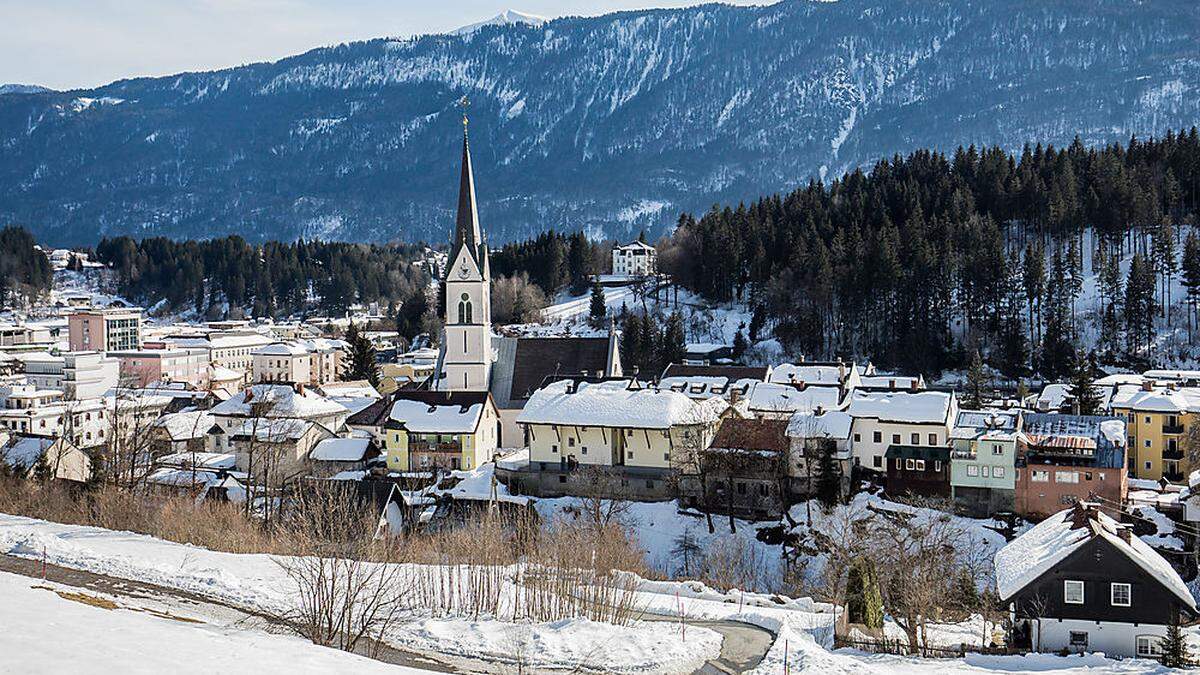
567, 307
254, 581
45, 632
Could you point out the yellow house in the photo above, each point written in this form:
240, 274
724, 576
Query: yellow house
1157, 417
449, 430
644, 430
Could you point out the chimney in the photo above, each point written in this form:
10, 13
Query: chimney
791, 377
819, 411
892, 383
1092, 509
912, 385
841, 370
249, 394
734, 396
572, 386
1147, 385
1125, 532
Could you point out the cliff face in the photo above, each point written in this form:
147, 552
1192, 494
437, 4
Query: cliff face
608, 124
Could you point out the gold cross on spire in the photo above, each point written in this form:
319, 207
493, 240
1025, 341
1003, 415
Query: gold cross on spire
464, 103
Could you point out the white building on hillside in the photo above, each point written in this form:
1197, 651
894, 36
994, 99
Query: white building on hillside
636, 258
884, 419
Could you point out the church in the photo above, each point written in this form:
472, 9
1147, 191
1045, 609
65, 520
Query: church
471, 358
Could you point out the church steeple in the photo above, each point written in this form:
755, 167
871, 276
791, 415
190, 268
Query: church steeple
466, 233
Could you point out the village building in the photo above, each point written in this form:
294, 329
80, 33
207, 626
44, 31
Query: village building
78, 375
641, 432
1157, 416
744, 472
637, 258
882, 383
884, 419
1063, 459
918, 471
810, 434
282, 362
342, 458
51, 457
182, 432
144, 367
983, 461
1079, 581
439, 430
110, 329
844, 377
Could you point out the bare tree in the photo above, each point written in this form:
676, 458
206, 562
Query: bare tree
600, 502
127, 454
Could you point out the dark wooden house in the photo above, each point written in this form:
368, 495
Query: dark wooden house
918, 471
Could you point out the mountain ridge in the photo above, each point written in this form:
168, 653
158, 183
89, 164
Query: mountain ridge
607, 124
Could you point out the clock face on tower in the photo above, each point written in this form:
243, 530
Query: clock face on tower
463, 272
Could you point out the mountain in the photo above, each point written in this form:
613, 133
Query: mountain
23, 89
607, 124
509, 17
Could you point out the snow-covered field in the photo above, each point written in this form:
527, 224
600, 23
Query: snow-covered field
44, 632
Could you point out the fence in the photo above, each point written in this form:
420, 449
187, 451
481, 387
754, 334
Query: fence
901, 647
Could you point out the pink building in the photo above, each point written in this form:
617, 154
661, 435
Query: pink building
105, 330
141, 368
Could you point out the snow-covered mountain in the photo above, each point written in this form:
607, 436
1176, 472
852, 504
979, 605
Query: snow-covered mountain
509, 17
607, 124
23, 89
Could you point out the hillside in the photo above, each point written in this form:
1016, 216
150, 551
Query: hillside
607, 124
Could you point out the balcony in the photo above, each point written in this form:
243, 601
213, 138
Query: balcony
1172, 428
426, 446
1176, 454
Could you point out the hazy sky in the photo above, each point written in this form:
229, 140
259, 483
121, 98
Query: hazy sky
83, 43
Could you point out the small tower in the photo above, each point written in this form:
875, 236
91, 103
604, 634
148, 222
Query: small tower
466, 352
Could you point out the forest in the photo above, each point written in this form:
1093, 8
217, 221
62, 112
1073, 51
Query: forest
272, 279
926, 259
24, 272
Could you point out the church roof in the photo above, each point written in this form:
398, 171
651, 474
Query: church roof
466, 230
529, 363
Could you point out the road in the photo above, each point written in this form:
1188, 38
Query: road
742, 648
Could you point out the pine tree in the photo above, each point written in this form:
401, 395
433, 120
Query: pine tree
632, 348
1191, 277
598, 310
976, 382
740, 345
1175, 650
363, 362
1139, 307
829, 480
674, 343
1086, 400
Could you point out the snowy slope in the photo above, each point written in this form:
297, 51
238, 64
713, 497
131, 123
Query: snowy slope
509, 17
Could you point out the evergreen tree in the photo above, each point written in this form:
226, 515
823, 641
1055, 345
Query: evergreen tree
1139, 307
633, 349
673, 348
1191, 278
740, 344
829, 480
363, 362
1175, 650
976, 382
1086, 400
598, 310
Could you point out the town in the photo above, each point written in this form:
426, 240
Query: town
1089, 490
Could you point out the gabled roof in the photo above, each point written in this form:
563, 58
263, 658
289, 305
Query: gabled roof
437, 412
342, 450
616, 403
280, 400
1040, 549
907, 407
731, 373
752, 434
537, 361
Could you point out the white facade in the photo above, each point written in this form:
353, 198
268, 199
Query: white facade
634, 259
282, 362
1110, 637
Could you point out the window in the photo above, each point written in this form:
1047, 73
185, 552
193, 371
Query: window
877, 437
985, 471
972, 470
920, 465
570, 442
895, 439
909, 464
997, 449
1040, 476
933, 439
1149, 465
1147, 419
1119, 594
464, 309
1149, 645
1066, 477
554, 448
915, 439
583, 450
1073, 592
857, 438
1147, 444
1079, 639
997, 472
877, 461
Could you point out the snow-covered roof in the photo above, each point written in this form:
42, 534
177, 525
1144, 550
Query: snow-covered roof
808, 373
991, 424
613, 404
223, 374
184, 426
22, 452
1039, 549
272, 429
340, 450
205, 460
896, 406
706, 386
892, 382
181, 477
282, 401
833, 424
425, 418
784, 398
282, 349
1158, 399
354, 389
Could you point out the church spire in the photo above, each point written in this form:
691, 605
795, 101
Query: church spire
466, 233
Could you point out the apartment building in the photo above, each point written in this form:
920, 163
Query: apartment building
109, 329
1157, 415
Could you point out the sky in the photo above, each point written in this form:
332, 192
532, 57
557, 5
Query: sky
68, 44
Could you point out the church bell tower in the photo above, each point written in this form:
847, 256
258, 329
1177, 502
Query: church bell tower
466, 352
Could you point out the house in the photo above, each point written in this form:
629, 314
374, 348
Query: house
877, 383
1079, 581
751, 395
59, 458
845, 377
1063, 459
810, 434
918, 471
744, 472
282, 362
1157, 416
354, 394
199, 475
884, 419
78, 375
446, 430
637, 258
145, 367
983, 461
182, 432
640, 432
272, 449
339, 457
282, 401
